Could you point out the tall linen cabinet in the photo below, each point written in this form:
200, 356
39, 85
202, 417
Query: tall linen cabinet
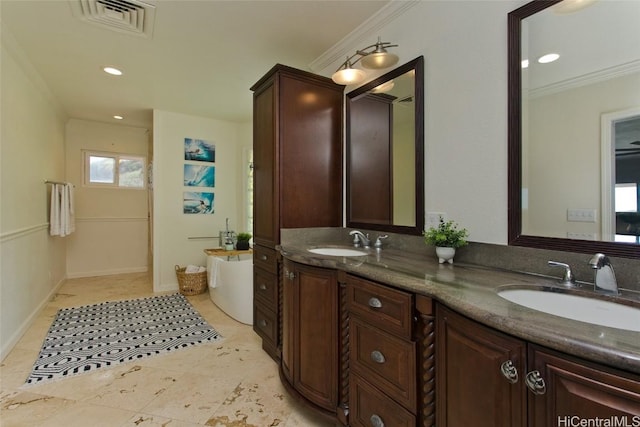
297, 153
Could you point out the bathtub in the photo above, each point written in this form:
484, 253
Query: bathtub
231, 285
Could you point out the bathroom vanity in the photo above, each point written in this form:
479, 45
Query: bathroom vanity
393, 338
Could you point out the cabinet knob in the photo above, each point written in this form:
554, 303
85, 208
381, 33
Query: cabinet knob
263, 287
377, 357
376, 421
263, 323
375, 302
263, 257
509, 371
535, 383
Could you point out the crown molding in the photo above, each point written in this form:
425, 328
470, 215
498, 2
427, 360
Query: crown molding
362, 33
586, 79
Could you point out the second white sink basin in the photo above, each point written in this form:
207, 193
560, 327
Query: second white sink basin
583, 309
337, 251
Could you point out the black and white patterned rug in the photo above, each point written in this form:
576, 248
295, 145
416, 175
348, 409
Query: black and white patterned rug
86, 338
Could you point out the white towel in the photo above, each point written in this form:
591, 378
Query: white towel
54, 215
62, 216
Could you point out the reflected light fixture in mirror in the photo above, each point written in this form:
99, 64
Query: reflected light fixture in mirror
374, 57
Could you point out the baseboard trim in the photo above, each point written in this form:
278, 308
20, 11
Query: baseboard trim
80, 274
17, 335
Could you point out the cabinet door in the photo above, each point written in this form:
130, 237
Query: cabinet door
472, 390
265, 210
310, 332
575, 391
310, 175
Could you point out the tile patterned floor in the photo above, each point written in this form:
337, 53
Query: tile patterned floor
230, 383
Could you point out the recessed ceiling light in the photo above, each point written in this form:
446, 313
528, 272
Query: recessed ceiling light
113, 71
525, 63
118, 117
549, 57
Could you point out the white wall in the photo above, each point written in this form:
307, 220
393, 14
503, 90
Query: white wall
31, 151
464, 44
566, 152
179, 239
111, 224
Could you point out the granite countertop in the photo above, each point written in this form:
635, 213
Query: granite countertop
472, 290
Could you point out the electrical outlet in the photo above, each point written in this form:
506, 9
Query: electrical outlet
581, 236
581, 215
433, 219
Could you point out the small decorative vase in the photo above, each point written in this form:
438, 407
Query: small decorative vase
445, 254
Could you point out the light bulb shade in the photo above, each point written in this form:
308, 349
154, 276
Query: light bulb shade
348, 76
378, 60
384, 87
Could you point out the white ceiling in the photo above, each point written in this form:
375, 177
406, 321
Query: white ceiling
201, 59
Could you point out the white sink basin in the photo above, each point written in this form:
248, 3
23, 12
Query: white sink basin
337, 251
583, 309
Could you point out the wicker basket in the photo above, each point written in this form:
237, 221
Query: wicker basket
191, 283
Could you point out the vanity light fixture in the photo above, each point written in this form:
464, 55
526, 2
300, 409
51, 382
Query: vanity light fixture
570, 6
113, 71
374, 57
384, 87
549, 57
118, 117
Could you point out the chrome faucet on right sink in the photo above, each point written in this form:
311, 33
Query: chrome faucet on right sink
604, 278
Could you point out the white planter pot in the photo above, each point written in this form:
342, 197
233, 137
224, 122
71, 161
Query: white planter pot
445, 254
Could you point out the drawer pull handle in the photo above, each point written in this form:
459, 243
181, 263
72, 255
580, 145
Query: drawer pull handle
376, 421
509, 371
535, 382
263, 323
377, 357
375, 303
263, 287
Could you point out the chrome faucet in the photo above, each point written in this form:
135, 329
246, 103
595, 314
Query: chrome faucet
360, 238
604, 279
568, 279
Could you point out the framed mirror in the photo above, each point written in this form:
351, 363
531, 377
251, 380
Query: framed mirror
385, 152
574, 126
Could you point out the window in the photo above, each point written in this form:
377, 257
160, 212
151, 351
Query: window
114, 170
626, 202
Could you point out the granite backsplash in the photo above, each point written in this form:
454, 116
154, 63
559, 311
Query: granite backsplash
512, 258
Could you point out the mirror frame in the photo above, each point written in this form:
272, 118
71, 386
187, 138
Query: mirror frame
418, 66
516, 238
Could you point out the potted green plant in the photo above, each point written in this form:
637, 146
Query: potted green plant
242, 243
446, 237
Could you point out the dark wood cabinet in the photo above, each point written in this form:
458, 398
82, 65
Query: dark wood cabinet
383, 376
488, 378
311, 334
370, 159
297, 152
577, 390
471, 390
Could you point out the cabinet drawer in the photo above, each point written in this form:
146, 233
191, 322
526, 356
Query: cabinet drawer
265, 258
265, 287
387, 308
369, 407
386, 361
264, 323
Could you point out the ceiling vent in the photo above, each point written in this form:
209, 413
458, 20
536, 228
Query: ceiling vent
127, 16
